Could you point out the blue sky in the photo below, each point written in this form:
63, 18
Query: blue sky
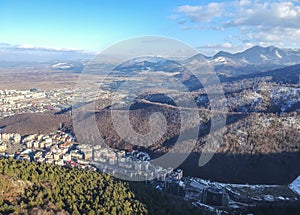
93, 25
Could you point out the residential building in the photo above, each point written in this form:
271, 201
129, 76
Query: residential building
3, 147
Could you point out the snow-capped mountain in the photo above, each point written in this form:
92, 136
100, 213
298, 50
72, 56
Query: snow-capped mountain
254, 59
148, 64
258, 55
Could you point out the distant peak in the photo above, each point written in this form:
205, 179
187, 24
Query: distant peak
222, 54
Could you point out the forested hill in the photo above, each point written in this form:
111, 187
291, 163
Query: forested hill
67, 190
35, 188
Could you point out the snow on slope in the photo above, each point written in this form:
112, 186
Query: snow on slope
62, 66
295, 185
277, 54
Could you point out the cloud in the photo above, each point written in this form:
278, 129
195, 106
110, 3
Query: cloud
204, 13
245, 2
280, 35
29, 47
30, 53
274, 21
269, 15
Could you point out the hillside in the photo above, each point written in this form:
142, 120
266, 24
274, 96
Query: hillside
33, 123
74, 191
285, 75
251, 146
32, 188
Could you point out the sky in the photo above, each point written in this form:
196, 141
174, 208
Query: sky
93, 25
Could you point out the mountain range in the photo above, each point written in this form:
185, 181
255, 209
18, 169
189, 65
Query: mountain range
258, 55
253, 60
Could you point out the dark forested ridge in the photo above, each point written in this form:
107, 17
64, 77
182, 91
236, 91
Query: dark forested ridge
74, 191
34, 188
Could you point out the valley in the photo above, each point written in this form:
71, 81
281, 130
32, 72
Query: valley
260, 139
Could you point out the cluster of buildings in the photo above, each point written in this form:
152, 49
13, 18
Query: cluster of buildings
60, 148
14, 102
130, 164
6, 139
222, 198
